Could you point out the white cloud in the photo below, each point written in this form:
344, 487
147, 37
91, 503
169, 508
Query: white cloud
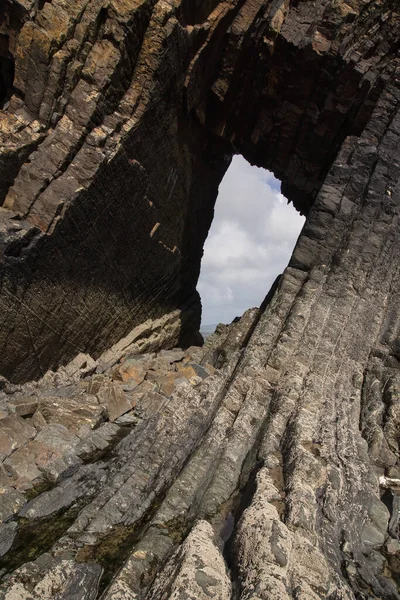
250, 242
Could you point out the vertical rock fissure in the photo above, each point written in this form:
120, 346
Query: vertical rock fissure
7, 69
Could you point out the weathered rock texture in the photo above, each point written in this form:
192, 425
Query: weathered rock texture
199, 475
278, 475
122, 120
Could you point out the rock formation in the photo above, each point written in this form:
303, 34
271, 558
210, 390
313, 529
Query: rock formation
265, 464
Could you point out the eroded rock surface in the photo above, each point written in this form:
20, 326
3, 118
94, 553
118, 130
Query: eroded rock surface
212, 482
273, 450
116, 132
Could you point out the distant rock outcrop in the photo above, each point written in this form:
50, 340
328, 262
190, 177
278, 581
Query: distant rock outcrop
276, 473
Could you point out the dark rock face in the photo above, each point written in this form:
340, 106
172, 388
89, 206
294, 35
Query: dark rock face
276, 476
122, 123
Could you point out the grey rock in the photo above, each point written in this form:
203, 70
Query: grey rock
83, 483
393, 546
197, 571
56, 468
129, 418
23, 407
8, 533
58, 437
150, 404
114, 137
379, 515
98, 442
83, 583
10, 503
372, 536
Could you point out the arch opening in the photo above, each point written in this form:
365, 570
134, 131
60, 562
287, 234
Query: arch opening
249, 244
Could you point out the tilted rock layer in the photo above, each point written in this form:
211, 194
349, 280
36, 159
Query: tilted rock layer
119, 126
276, 476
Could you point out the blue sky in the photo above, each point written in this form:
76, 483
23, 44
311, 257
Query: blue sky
250, 242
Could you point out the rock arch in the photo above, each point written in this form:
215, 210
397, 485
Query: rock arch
112, 154
123, 121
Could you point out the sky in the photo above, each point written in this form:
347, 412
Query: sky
250, 242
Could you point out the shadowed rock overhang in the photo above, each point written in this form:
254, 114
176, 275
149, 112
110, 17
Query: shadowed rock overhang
122, 122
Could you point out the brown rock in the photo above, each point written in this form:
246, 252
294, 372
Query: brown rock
114, 400
73, 412
139, 390
132, 372
38, 421
28, 462
95, 384
6, 480
14, 432
191, 372
167, 383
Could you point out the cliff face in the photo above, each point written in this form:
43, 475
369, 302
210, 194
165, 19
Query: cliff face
277, 475
119, 127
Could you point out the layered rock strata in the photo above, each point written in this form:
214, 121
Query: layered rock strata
195, 474
118, 128
277, 475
